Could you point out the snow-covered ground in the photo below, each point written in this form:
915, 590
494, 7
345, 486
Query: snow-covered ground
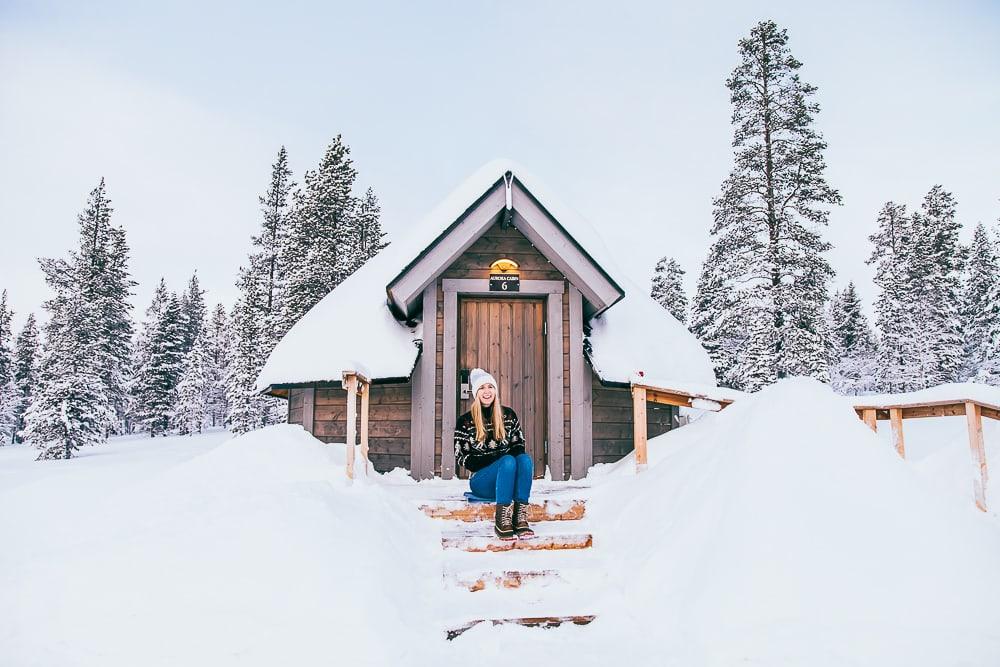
778, 532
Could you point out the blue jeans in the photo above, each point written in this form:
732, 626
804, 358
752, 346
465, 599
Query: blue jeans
506, 479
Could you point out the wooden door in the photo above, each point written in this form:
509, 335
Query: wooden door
505, 337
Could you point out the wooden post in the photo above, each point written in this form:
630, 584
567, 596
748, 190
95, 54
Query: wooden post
896, 417
974, 421
869, 417
351, 384
365, 391
639, 426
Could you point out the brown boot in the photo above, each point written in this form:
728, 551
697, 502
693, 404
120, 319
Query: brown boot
521, 527
503, 523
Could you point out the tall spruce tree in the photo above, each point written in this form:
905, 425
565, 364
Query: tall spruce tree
191, 410
668, 288
9, 395
981, 309
26, 359
316, 253
935, 275
71, 407
275, 206
248, 410
160, 372
217, 364
368, 237
193, 310
852, 345
768, 248
713, 319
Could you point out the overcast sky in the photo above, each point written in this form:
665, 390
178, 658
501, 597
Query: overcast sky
620, 108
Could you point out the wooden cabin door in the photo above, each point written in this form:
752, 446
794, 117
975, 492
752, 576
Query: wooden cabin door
505, 337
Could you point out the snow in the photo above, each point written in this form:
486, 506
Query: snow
780, 531
352, 326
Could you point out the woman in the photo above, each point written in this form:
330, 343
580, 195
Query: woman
489, 444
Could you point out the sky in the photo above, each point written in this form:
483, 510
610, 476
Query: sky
620, 108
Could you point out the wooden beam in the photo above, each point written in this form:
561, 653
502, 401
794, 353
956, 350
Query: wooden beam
580, 415
365, 392
351, 384
554, 390
309, 409
974, 422
868, 416
989, 412
449, 384
639, 427
896, 416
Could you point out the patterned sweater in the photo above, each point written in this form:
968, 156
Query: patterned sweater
475, 455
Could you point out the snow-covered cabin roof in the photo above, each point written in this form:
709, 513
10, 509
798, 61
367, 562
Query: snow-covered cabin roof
353, 328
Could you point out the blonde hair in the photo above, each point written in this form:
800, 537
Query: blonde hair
499, 432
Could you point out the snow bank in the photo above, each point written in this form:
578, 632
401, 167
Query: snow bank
352, 326
782, 531
254, 553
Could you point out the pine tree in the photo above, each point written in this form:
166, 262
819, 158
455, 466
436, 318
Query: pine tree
217, 365
9, 395
934, 272
157, 378
26, 359
981, 309
713, 319
191, 411
852, 347
103, 265
70, 408
668, 288
368, 239
193, 309
315, 252
275, 206
768, 249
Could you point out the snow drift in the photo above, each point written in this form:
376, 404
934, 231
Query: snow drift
782, 531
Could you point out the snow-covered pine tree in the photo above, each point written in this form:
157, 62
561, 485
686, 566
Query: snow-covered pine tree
770, 211
275, 205
102, 266
26, 359
191, 411
217, 364
70, 407
713, 319
9, 398
193, 309
668, 288
368, 237
981, 309
141, 350
315, 251
157, 378
852, 345
248, 409
935, 275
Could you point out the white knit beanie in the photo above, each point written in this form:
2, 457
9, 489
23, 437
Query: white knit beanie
478, 377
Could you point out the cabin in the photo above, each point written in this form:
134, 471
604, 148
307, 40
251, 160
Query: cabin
503, 276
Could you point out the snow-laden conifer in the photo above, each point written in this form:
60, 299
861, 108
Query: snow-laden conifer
26, 359
714, 319
276, 212
9, 395
981, 309
316, 252
248, 351
936, 260
157, 378
191, 410
767, 246
668, 288
852, 347
367, 238
193, 310
217, 364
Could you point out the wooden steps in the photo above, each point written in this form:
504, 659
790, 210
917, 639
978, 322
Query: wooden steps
478, 543
531, 622
547, 510
503, 579
519, 581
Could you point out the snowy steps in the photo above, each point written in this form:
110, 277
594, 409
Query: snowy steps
528, 581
